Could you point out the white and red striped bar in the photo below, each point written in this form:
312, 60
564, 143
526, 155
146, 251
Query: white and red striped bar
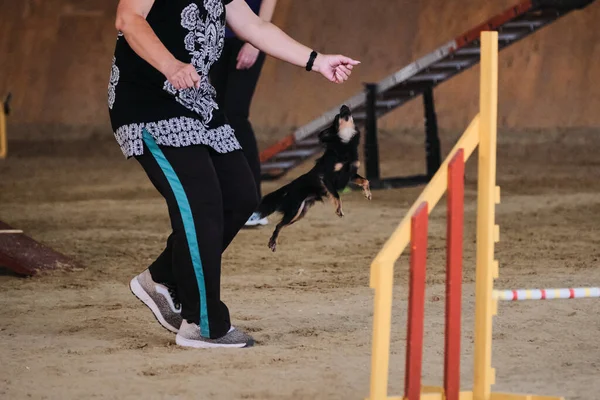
546, 294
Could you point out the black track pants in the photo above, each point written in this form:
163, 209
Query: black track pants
209, 197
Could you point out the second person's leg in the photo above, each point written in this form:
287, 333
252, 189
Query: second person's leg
236, 102
238, 191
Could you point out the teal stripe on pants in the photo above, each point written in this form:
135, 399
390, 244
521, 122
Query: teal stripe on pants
188, 225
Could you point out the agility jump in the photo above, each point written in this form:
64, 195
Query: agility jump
412, 230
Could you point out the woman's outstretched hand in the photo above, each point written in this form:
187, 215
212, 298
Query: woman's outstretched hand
336, 68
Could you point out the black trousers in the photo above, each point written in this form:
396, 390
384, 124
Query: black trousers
235, 89
209, 198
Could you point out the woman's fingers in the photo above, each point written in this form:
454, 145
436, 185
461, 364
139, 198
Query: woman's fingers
345, 69
251, 60
240, 63
341, 74
183, 76
191, 77
337, 78
246, 61
196, 79
337, 68
348, 60
338, 60
196, 82
187, 80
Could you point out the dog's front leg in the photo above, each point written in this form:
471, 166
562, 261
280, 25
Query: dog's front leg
364, 183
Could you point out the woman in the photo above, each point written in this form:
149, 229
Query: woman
163, 112
235, 76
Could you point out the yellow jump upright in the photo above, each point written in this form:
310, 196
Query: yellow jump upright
481, 132
3, 141
487, 231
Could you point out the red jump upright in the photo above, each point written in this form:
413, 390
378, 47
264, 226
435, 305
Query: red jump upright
454, 237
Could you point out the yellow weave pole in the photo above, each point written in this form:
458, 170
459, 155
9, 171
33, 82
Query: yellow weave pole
485, 304
3, 141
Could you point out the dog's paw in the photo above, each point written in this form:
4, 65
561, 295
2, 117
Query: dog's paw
367, 190
272, 245
339, 212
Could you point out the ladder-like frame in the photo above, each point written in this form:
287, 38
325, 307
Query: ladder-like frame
416, 79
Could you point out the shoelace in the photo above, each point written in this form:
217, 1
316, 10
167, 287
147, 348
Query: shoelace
174, 296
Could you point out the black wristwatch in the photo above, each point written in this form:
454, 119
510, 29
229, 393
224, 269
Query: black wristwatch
311, 60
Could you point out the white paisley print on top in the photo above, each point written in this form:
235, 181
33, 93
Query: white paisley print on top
204, 41
112, 83
176, 132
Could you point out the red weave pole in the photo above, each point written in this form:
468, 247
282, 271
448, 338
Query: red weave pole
454, 237
416, 303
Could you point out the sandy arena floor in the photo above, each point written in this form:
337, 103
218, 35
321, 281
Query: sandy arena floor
83, 335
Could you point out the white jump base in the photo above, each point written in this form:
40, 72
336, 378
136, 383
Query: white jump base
546, 294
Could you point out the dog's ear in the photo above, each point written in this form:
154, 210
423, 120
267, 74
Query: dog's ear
327, 135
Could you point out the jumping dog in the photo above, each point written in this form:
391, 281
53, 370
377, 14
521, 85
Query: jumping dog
333, 171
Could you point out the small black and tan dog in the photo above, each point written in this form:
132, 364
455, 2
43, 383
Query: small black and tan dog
333, 171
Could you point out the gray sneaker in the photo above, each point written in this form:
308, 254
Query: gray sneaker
160, 299
255, 220
189, 336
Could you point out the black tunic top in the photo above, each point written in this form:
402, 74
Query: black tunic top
140, 97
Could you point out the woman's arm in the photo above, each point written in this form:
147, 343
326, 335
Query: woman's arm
248, 54
267, 37
131, 20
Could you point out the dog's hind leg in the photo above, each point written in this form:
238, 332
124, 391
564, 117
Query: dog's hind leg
364, 183
333, 196
273, 239
287, 220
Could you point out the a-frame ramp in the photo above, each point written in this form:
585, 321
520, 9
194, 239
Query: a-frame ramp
417, 78
25, 256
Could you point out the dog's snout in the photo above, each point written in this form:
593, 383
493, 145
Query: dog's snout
345, 112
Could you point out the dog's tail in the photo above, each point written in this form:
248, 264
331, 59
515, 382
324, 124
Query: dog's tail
272, 202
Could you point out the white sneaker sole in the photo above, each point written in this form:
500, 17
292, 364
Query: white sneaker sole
200, 344
261, 222
145, 298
